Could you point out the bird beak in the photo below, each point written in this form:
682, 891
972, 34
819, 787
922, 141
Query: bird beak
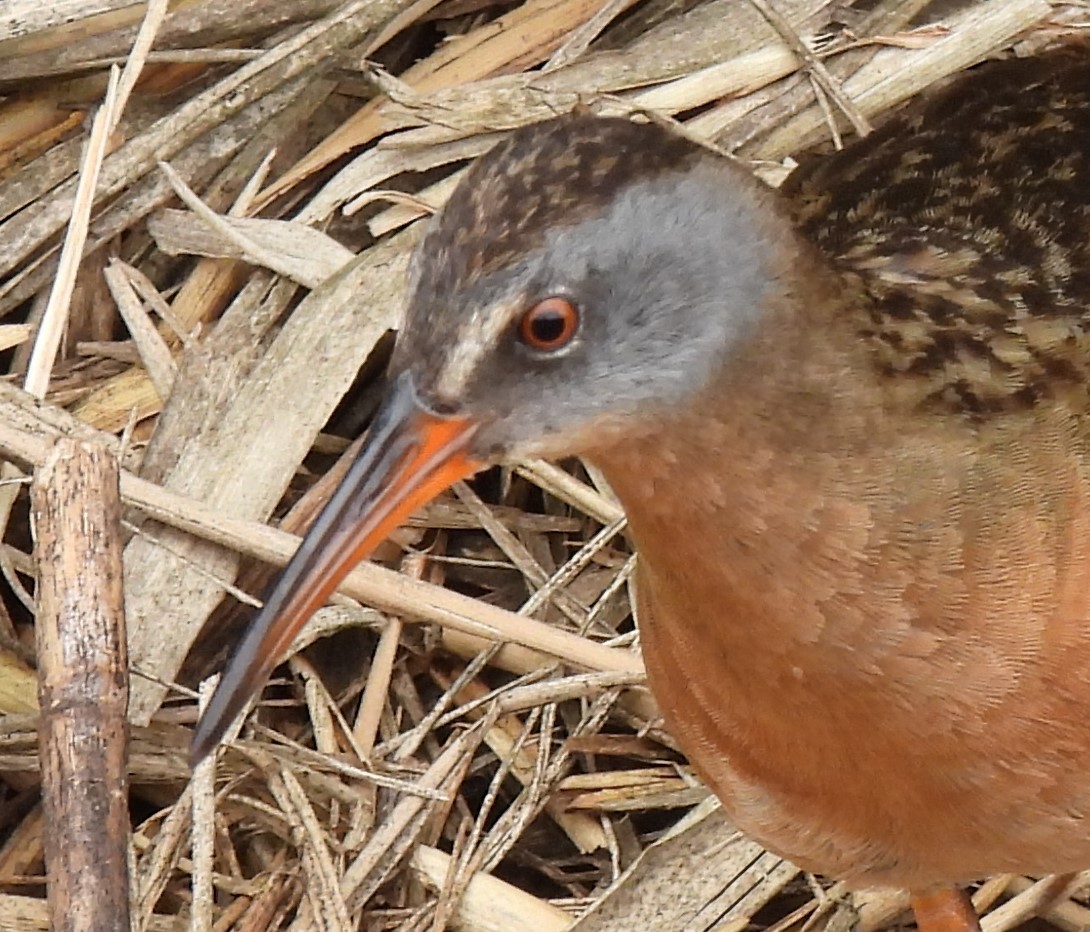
410, 456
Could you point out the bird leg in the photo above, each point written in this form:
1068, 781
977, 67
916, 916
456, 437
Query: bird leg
948, 909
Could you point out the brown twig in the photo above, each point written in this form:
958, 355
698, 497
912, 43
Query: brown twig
83, 688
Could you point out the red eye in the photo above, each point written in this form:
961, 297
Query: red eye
549, 324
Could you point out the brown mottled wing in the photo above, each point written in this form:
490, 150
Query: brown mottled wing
981, 278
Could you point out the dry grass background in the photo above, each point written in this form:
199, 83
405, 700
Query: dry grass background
205, 213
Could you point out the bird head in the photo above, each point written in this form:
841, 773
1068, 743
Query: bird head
586, 277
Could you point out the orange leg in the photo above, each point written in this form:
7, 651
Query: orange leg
946, 910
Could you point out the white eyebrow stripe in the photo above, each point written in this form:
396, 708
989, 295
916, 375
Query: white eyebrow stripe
477, 337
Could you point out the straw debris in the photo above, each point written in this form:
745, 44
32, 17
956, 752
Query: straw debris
206, 210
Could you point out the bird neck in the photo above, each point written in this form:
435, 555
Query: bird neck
792, 412
801, 381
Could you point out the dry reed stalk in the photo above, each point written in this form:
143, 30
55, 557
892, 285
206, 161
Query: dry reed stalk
83, 687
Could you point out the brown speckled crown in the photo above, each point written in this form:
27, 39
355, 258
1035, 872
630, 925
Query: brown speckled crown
542, 176
968, 220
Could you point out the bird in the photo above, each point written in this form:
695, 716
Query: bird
849, 422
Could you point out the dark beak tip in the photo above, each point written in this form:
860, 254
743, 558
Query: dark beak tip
411, 454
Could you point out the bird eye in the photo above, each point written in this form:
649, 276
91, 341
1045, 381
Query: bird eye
549, 325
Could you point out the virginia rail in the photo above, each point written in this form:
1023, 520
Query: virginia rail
849, 424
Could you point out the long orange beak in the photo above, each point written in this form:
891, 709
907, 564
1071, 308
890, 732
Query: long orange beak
410, 456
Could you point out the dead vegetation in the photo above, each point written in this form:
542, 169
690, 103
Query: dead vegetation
206, 209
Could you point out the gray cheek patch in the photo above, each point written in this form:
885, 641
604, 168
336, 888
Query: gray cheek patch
679, 264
